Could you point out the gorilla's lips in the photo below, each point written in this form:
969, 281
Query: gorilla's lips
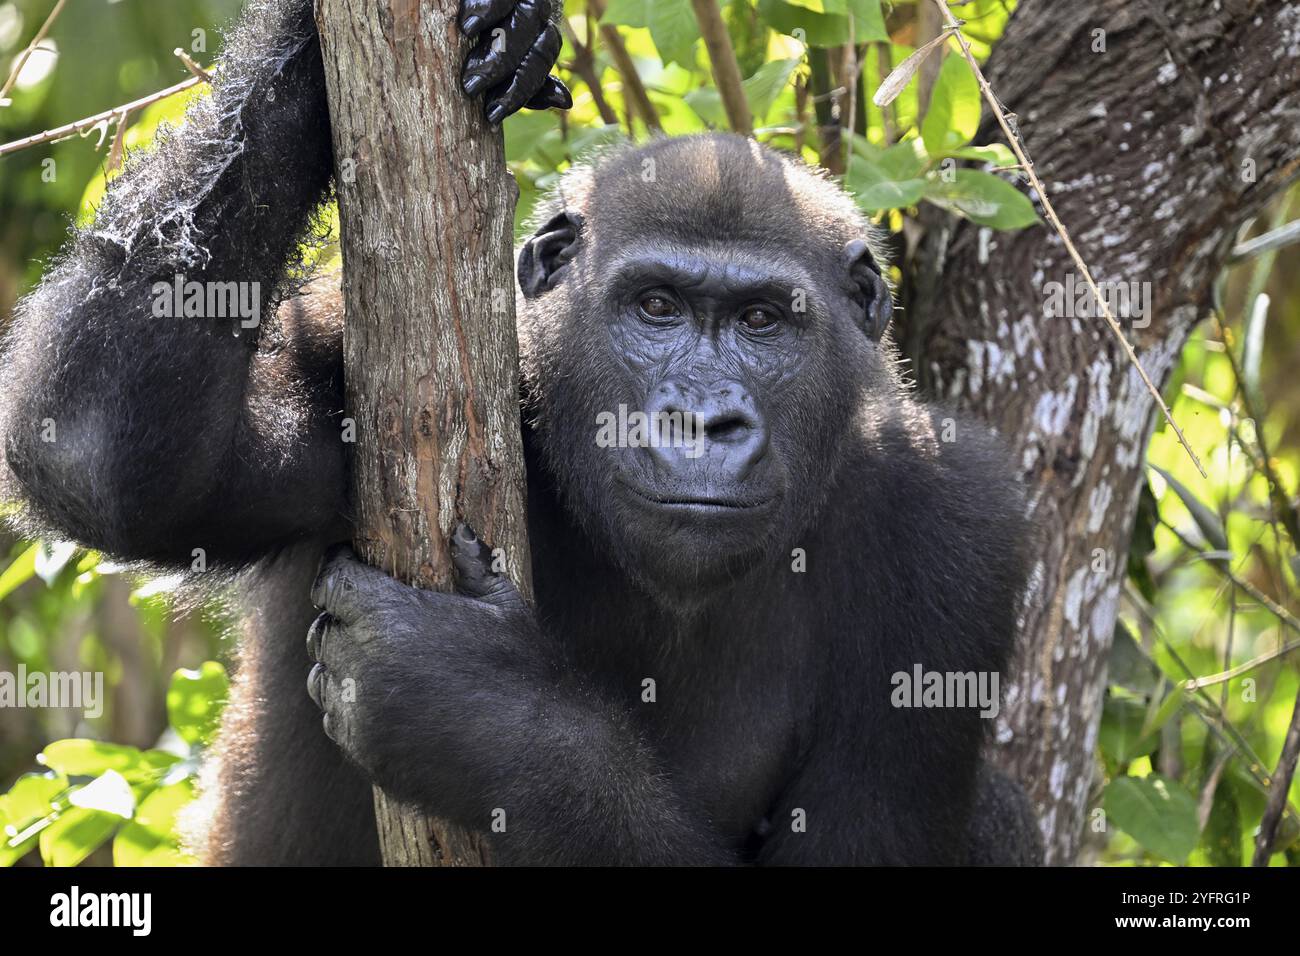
697, 503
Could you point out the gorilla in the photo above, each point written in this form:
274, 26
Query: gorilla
724, 618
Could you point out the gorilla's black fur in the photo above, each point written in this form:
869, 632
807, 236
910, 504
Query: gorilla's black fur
708, 674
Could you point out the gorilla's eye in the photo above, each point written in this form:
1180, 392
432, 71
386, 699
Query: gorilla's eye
657, 307
758, 319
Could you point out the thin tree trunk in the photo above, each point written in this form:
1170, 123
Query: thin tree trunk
1155, 151
426, 205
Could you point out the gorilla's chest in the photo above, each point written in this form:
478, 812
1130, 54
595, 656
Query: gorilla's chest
721, 709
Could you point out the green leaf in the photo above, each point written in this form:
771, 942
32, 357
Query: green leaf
525, 129
761, 90
151, 838
108, 792
52, 557
869, 21
994, 153
875, 190
79, 757
20, 571
1157, 812
674, 29
628, 13
27, 801
807, 26
195, 700
1206, 520
1127, 667
75, 835
1122, 736
983, 198
954, 113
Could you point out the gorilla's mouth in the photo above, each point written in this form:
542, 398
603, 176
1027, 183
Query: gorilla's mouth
701, 504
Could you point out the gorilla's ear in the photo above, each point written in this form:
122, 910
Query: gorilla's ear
872, 291
545, 256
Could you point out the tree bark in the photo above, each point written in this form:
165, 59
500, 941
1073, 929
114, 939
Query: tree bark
1155, 151
431, 358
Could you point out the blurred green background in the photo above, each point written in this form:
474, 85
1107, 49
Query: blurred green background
1178, 772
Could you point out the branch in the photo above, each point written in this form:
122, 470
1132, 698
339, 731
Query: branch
633, 89
21, 60
1013, 140
1278, 788
726, 71
583, 64
90, 122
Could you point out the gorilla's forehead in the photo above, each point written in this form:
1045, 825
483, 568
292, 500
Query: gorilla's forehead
716, 188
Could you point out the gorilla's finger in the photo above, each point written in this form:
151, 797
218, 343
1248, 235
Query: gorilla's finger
316, 685
475, 578
552, 95
500, 52
475, 15
316, 635
344, 585
528, 79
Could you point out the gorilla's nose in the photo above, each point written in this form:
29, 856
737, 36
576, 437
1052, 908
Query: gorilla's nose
718, 425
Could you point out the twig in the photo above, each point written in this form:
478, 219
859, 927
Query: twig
633, 89
726, 70
1223, 729
82, 125
583, 64
193, 67
1277, 492
21, 61
1278, 788
1277, 610
1266, 243
1013, 141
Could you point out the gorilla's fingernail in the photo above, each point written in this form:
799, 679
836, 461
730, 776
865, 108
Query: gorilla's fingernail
471, 25
313, 683
475, 83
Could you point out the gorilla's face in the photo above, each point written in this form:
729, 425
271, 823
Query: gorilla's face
693, 391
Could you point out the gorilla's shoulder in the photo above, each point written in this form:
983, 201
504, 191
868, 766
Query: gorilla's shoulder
946, 483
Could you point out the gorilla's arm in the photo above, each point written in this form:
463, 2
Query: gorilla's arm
149, 437
460, 704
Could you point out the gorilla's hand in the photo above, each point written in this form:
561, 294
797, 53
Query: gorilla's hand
518, 43
432, 694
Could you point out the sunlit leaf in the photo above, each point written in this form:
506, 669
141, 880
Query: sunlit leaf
982, 198
75, 835
954, 113
108, 792
150, 839
1206, 520
21, 570
194, 701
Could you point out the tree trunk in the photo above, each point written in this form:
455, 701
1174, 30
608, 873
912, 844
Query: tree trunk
431, 364
1155, 152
